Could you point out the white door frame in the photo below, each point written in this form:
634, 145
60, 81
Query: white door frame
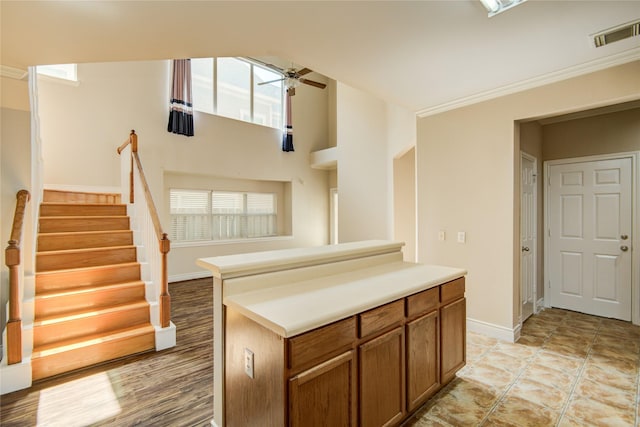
635, 227
535, 232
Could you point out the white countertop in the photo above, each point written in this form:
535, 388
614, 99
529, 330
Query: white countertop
238, 265
298, 307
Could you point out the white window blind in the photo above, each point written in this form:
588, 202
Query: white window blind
221, 215
190, 215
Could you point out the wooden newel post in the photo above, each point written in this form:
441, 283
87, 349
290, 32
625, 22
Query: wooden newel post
133, 140
165, 298
12, 261
14, 325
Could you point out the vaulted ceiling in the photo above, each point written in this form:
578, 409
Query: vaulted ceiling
423, 55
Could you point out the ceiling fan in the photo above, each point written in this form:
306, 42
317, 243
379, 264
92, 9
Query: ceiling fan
291, 77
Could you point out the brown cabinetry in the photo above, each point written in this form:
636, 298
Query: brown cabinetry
371, 369
423, 350
453, 317
382, 379
324, 395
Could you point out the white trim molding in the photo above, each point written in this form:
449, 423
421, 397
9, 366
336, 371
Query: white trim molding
494, 331
13, 73
190, 276
15, 377
165, 337
566, 73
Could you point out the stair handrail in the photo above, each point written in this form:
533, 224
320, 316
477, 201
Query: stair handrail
12, 261
164, 242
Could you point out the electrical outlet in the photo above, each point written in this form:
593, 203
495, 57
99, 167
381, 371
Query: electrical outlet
462, 237
441, 235
248, 362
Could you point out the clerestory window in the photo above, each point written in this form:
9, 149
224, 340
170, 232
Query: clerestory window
239, 89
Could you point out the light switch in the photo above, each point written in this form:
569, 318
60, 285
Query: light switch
462, 237
441, 235
248, 362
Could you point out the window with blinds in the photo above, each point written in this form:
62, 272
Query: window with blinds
221, 215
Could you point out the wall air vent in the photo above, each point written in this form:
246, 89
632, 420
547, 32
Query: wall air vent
618, 33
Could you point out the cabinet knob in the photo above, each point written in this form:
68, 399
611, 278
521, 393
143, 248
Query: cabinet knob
624, 248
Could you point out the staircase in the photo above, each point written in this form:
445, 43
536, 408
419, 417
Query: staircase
90, 304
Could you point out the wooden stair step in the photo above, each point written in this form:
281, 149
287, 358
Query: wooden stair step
88, 297
57, 224
78, 353
61, 196
51, 281
76, 258
84, 239
52, 329
82, 209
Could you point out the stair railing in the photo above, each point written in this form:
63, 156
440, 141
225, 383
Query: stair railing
146, 217
13, 260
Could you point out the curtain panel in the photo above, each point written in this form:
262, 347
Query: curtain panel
287, 136
181, 106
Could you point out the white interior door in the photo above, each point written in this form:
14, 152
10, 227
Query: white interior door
590, 237
527, 234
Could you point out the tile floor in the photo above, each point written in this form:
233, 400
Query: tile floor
567, 369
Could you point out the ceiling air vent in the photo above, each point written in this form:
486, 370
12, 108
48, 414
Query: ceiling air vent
615, 34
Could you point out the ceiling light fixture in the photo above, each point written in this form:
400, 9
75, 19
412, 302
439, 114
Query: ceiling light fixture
497, 6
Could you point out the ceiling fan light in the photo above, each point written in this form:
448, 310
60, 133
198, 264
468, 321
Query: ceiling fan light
291, 82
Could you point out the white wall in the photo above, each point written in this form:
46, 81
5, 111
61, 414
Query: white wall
15, 173
368, 131
468, 181
83, 125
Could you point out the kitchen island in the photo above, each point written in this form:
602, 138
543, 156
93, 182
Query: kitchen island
345, 334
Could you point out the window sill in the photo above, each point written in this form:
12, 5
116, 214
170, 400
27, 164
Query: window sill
229, 242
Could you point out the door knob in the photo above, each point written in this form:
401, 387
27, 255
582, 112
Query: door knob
624, 237
525, 249
624, 248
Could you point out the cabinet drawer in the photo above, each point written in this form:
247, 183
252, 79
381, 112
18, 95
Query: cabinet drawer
424, 302
452, 291
315, 346
381, 318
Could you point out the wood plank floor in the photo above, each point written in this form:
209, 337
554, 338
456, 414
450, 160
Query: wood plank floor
173, 387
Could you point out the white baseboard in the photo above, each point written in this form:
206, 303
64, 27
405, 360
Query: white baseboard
165, 337
190, 276
15, 377
540, 305
494, 331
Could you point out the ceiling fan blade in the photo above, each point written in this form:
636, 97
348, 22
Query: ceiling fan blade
304, 71
313, 83
270, 81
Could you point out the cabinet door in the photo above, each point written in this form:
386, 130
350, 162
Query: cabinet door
423, 350
453, 319
324, 395
382, 384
